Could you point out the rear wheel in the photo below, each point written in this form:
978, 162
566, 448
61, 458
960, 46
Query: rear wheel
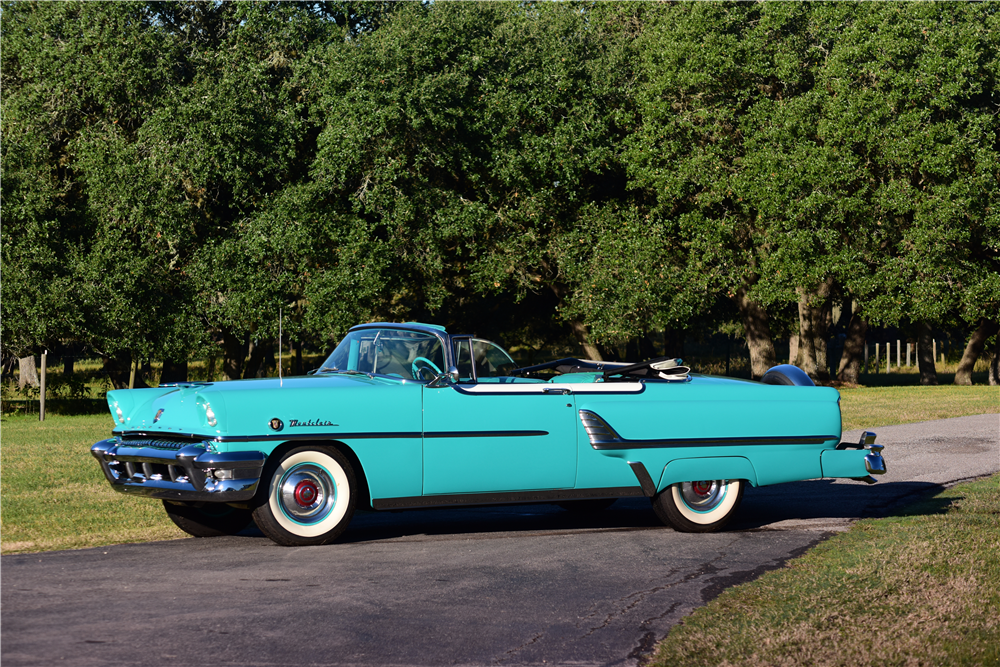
208, 519
699, 507
311, 495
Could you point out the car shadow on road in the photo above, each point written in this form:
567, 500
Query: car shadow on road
811, 505
819, 499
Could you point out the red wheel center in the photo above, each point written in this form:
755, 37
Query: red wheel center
306, 493
702, 488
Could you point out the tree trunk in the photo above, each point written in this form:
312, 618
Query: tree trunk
815, 317
647, 350
174, 371
757, 331
119, 368
254, 361
29, 372
805, 357
925, 354
793, 349
995, 365
233, 355
854, 349
269, 364
297, 367
590, 350
673, 343
632, 353
973, 350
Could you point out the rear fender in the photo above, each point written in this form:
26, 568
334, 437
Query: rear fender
696, 469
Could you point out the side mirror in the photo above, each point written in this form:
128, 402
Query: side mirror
448, 377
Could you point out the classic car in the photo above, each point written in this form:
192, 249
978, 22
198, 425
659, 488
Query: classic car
408, 416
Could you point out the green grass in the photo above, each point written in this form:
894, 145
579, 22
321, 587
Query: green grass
883, 406
54, 496
921, 588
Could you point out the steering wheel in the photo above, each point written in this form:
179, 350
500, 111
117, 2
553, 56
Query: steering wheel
418, 371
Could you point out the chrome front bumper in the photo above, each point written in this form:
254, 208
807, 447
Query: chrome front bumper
178, 471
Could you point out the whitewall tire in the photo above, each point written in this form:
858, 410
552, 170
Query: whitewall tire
311, 495
699, 507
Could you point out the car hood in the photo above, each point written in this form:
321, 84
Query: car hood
239, 407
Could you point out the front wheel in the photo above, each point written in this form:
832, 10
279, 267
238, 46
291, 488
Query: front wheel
310, 498
208, 519
699, 507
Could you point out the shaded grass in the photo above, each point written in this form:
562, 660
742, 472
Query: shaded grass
920, 588
54, 496
883, 406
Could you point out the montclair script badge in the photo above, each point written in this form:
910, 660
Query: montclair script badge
312, 422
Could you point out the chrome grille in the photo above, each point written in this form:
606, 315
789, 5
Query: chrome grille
155, 444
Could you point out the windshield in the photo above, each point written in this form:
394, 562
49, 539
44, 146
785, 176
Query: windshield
411, 355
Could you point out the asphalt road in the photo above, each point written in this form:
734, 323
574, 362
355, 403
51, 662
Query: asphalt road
501, 586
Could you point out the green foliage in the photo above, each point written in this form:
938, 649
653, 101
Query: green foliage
173, 171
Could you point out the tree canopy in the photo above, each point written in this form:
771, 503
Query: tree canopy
174, 173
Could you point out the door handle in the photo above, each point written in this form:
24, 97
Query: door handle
555, 391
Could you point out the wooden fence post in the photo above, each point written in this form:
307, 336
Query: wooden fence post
41, 387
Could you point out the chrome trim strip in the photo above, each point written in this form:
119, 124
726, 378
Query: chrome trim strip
483, 434
504, 498
288, 437
603, 437
546, 388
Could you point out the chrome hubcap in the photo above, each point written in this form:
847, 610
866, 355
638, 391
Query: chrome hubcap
307, 493
703, 496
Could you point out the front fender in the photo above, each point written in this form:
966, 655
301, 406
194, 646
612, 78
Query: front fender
716, 467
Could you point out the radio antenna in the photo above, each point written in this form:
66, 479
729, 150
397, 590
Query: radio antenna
281, 381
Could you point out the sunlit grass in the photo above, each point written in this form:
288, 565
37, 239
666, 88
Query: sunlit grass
883, 406
54, 496
921, 588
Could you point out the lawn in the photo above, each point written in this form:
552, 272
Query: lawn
54, 496
921, 588
866, 407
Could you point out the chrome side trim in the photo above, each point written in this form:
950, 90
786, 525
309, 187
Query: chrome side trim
192, 472
603, 437
289, 437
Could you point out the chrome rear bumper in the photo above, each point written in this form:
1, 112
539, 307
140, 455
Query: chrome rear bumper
874, 463
183, 472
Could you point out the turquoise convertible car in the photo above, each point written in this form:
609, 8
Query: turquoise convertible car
407, 415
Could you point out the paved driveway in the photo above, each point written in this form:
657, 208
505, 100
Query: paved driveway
511, 586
